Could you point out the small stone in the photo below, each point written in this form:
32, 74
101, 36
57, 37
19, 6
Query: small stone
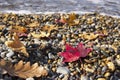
59, 35
117, 61
66, 76
3, 54
2, 39
107, 74
101, 79
84, 77
61, 76
10, 54
53, 69
30, 79
63, 70
111, 66
89, 69
36, 41
104, 69
51, 56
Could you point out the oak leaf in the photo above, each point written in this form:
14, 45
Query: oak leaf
17, 45
21, 31
23, 70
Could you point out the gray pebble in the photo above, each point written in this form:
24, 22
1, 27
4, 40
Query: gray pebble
63, 70
3, 54
61, 76
51, 56
59, 35
117, 61
104, 69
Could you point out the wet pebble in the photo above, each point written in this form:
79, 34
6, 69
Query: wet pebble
63, 70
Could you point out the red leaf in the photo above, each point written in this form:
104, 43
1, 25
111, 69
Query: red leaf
74, 53
82, 50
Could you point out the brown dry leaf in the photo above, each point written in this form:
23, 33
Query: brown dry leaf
23, 70
16, 45
19, 29
71, 19
89, 36
49, 28
41, 35
34, 24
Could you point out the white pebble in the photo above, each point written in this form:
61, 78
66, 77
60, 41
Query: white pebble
30, 78
63, 70
10, 54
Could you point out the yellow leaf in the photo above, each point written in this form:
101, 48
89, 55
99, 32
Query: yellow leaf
17, 45
41, 35
23, 70
71, 19
34, 24
19, 29
89, 36
49, 28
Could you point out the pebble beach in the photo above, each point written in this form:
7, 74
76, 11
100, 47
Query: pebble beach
46, 35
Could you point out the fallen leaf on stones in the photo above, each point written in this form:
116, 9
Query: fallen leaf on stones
89, 36
23, 70
49, 28
74, 53
19, 30
34, 24
70, 19
41, 35
16, 45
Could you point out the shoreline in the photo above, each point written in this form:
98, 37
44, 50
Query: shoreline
76, 12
